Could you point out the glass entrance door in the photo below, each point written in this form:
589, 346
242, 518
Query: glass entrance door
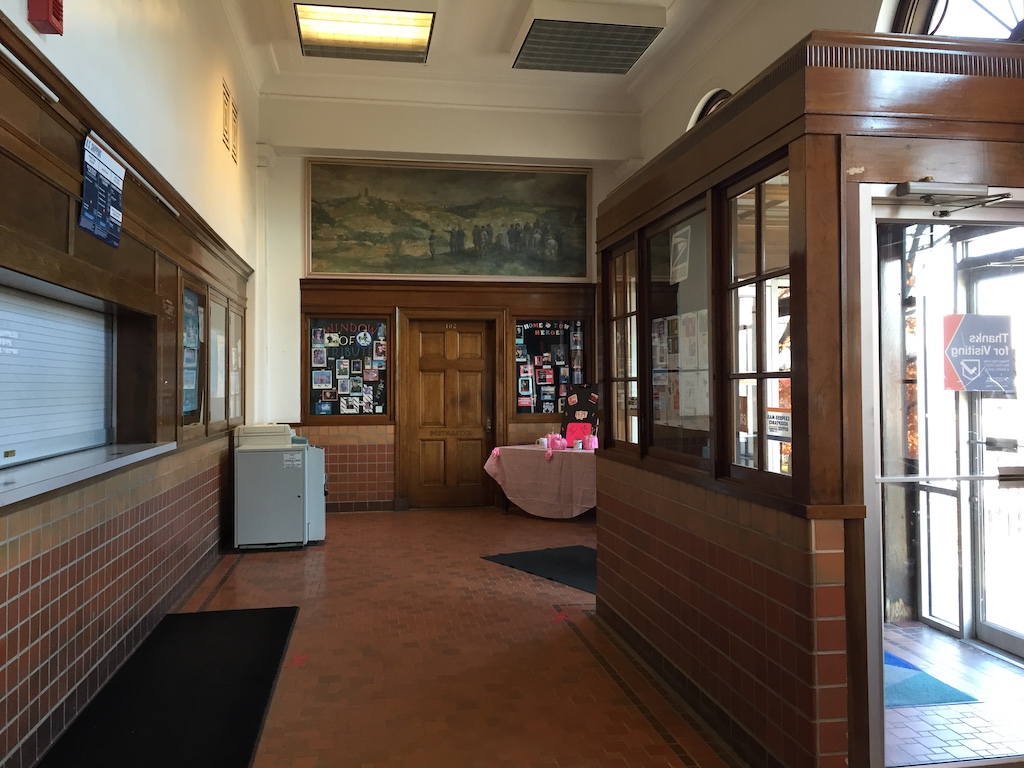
951, 316
996, 288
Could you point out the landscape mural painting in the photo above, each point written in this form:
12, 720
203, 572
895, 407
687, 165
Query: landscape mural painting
447, 221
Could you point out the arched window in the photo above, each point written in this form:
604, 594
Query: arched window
990, 19
711, 102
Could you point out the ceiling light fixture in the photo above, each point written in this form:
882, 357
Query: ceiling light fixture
364, 33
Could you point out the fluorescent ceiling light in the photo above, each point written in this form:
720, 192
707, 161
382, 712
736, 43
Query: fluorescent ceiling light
364, 33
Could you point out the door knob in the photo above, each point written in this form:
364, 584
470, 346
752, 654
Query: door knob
487, 425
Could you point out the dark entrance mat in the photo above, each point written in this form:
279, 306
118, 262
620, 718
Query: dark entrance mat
575, 565
195, 694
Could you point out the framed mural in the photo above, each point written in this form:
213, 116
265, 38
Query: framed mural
396, 220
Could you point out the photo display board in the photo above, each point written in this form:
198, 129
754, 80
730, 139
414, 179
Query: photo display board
192, 334
549, 357
348, 366
582, 412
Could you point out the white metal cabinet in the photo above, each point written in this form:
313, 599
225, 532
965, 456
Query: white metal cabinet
279, 495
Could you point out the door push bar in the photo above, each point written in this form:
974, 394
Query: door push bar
1008, 477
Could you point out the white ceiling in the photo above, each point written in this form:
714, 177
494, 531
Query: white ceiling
470, 59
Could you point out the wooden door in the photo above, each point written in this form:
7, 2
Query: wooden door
448, 421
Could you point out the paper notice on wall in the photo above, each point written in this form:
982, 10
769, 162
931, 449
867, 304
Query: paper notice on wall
779, 424
102, 188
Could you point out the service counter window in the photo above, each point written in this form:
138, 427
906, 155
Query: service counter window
623, 354
549, 357
348, 361
680, 383
759, 298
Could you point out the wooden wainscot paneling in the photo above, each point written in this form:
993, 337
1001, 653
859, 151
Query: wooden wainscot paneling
32, 205
26, 129
137, 398
816, 252
893, 159
25, 255
189, 242
168, 412
354, 296
914, 85
132, 259
41, 146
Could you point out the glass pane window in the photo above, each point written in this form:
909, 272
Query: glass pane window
619, 348
989, 19
778, 426
623, 350
618, 287
235, 357
680, 374
744, 323
775, 222
760, 326
632, 408
631, 270
744, 420
743, 218
776, 324
618, 406
632, 364
218, 361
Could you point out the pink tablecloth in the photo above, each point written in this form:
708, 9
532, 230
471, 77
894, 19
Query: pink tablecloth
564, 486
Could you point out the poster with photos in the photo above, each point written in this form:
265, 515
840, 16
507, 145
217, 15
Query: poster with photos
582, 407
549, 355
348, 366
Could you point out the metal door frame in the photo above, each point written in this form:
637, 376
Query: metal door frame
874, 203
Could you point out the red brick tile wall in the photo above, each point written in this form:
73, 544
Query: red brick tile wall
741, 607
360, 466
85, 576
361, 462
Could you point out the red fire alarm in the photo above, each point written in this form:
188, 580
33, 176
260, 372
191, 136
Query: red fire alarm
47, 16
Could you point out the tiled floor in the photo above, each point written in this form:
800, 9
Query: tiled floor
410, 650
992, 727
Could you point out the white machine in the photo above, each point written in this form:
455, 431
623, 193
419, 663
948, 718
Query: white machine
280, 484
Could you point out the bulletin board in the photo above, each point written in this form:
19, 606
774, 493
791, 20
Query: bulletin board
548, 359
348, 365
192, 334
582, 407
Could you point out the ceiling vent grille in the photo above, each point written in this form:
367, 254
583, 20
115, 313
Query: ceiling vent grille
575, 46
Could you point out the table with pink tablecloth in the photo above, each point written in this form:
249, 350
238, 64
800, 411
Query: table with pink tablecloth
563, 486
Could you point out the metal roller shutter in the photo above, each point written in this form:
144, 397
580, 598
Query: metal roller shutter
56, 388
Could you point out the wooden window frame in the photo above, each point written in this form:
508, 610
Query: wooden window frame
611, 437
775, 483
695, 208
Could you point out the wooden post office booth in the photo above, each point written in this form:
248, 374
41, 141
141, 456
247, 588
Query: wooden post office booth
808, 344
